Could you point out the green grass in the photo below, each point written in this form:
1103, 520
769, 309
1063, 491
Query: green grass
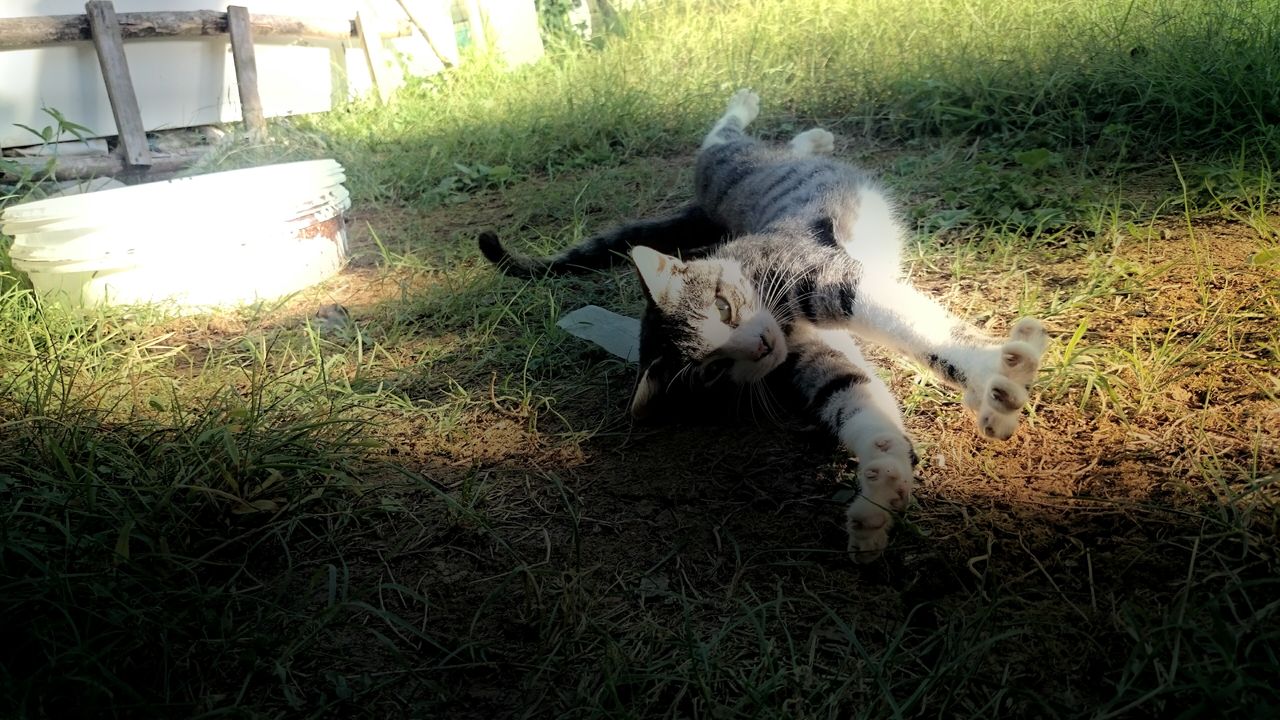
443, 512
1042, 87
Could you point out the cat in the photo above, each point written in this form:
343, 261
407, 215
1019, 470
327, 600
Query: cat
785, 257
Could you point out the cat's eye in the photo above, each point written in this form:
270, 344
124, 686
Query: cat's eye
726, 312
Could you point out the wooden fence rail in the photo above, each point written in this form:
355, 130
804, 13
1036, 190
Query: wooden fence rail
28, 32
108, 29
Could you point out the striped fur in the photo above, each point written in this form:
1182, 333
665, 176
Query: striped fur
785, 257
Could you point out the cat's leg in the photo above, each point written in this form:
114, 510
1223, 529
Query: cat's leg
815, 141
743, 107
850, 400
994, 374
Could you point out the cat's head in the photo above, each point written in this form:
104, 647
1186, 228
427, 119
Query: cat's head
707, 313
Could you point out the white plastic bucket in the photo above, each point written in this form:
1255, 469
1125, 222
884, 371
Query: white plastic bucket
194, 243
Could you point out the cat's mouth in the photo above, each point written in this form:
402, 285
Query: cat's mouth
750, 371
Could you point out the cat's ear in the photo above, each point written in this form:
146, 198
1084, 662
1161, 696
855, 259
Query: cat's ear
660, 274
649, 389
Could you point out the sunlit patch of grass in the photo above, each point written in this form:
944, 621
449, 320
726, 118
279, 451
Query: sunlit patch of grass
1035, 104
1157, 362
1246, 192
1081, 372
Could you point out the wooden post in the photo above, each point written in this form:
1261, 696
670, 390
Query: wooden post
447, 59
475, 25
384, 77
115, 73
246, 71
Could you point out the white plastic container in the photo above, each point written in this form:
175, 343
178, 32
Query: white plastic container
193, 243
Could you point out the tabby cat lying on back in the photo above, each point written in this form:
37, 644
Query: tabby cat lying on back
812, 258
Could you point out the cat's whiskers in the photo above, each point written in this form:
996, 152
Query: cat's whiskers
674, 378
775, 288
767, 402
792, 281
772, 280
769, 292
792, 311
799, 299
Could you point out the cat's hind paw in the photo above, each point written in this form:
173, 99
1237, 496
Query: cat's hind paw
813, 142
885, 486
744, 105
998, 404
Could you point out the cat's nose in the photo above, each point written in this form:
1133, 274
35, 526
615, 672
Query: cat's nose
764, 347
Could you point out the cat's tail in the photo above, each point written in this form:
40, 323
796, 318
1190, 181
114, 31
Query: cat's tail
517, 264
686, 232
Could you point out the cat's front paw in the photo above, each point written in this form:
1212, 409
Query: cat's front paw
745, 105
885, 485
998, 403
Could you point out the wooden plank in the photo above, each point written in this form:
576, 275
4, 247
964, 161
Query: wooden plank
115, 73
246, 71
385, 78
91, 166
27, 32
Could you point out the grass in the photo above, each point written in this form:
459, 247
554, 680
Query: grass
442, 511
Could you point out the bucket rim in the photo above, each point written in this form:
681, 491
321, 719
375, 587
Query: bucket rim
284, 208
40, 258
325, 173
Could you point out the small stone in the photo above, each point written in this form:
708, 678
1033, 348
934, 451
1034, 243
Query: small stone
332, 318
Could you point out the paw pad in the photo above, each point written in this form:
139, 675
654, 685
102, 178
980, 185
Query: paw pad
885, 486
1031, 331
1000, 403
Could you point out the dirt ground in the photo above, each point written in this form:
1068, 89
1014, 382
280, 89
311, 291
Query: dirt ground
565, 556
568, 563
